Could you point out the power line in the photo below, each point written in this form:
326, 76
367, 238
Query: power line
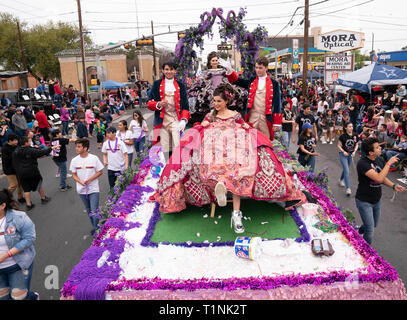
190, 9
291, 19
19, 10
356, 5
372, 21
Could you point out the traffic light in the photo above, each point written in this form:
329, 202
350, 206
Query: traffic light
279, 59
145, 42
93, 82
224, 46
181, 35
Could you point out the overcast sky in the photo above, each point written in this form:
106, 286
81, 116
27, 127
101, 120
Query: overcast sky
116, 20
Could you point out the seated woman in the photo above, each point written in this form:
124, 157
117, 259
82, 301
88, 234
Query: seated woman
201, 91
224, 154
400, 95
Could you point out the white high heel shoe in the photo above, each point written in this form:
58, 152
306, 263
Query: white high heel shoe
236, 221
220, 193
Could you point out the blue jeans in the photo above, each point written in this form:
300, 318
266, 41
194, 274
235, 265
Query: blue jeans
345, 162
14, 278
309, 162
139, 145
130, 156
286, 139
91, 128
21, 133
91, 202
58, 100
112, 176
391, 153
370, 214
62, 173
354, 121
65, 128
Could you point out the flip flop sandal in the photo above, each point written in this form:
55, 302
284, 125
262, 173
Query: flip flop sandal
220, 193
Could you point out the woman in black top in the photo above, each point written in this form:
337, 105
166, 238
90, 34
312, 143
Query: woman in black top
354, 111
306, 147
287, 124
387, 102
372, 173
347, 145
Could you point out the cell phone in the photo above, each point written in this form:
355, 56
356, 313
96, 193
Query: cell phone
317, 245
325, 246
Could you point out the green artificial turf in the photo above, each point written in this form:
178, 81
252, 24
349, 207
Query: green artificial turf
183, 226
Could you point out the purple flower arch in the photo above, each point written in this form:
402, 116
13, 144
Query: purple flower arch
247, 43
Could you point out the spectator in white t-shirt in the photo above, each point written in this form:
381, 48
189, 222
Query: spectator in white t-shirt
126, 136
323, 105
86, 168
139, 127
114, 155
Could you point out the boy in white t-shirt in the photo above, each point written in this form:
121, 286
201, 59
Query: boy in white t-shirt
114, 155
86, 168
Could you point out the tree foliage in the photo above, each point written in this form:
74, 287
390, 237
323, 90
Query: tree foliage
41, 43
360, 59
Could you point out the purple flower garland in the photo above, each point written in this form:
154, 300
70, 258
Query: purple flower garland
230, 28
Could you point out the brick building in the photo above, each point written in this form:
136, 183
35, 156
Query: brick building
14, 80
112, 66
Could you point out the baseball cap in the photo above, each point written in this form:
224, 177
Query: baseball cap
306, 126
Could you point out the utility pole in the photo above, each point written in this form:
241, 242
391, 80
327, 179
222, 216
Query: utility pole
305, 56
23, 61
85, 84
372, 42
154, 64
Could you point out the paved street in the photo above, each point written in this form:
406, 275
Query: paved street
390, 237
63, 228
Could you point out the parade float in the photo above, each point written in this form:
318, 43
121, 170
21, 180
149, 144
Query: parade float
309, 252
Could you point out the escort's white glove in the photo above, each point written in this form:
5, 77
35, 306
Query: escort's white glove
226, 65
182, 124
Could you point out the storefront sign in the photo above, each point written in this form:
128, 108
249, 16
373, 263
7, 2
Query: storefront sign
340, 40
295, 51
332, 76
339, 62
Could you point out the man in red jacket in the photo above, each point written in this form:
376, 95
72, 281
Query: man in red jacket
43, 123
58, 94
263, 110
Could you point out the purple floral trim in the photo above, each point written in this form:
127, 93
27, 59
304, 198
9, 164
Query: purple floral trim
305, 237
253, 283
156, 216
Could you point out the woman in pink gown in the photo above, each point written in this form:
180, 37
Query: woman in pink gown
224, 154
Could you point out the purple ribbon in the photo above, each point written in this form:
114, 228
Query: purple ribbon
87, 190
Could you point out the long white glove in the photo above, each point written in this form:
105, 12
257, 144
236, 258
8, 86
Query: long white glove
226, 65
182, 124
